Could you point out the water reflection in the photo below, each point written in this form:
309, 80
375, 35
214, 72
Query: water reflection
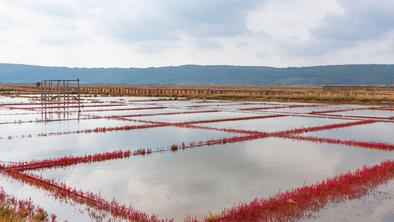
200, 181
378, 206
375, 132
275, 124
63, 211
191, 182
81, 144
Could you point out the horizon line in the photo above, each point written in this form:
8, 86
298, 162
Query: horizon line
182, 65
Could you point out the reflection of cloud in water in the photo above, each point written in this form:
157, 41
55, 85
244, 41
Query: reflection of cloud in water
43, 199
302, 155
275, 124
378, 206
209, 179
200, 180
81, 144
375, 132
371, 113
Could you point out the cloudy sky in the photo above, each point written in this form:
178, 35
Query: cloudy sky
142, 33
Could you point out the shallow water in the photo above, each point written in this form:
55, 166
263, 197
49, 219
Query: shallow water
194, 181
203, 180
375, 132
80, 144
275, 124
369, 113
63, 210
378, 206
194, 117
60, 126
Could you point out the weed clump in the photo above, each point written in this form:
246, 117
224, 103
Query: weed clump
174, 147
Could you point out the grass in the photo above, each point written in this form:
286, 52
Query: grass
363, 98
335, 97
279, 93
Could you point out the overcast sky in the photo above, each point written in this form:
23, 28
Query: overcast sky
142, 33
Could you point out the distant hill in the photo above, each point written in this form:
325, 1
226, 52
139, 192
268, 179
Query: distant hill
212, 74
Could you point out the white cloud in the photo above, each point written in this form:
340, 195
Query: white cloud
172, 32
290, 20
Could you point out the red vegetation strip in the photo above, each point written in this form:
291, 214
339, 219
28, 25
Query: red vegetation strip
285, 206
294, 204
191, 126
116, 109
276, 107
95, 130
232, 119
325, 127
40, 104
158, 100
371, 145
116, 117
233, 139
83, 111
102, 129
73, 160
291, 134
336, 117
227, 130
23, 209
104, 110
360, 117
61, 190
353, 116
66, 161
122, 117
61, 107
41, 121
382, 108
337, 110
353, 109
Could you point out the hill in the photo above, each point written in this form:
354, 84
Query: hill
202, 74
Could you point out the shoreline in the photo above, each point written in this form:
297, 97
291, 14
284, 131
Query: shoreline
370, 95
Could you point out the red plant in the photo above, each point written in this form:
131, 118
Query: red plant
353, 109
277, 107
105, 110
282, 207
337, 110
382, 108
61, 190
22, 209
300, 202
365, 144
228, 130
68, 160
72, 160
232, 119
116, 117
39, 103
357, 116
85, 131
87, 110
324, 127
124, 117
63, 106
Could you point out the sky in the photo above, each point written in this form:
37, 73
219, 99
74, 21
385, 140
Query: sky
145, 33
